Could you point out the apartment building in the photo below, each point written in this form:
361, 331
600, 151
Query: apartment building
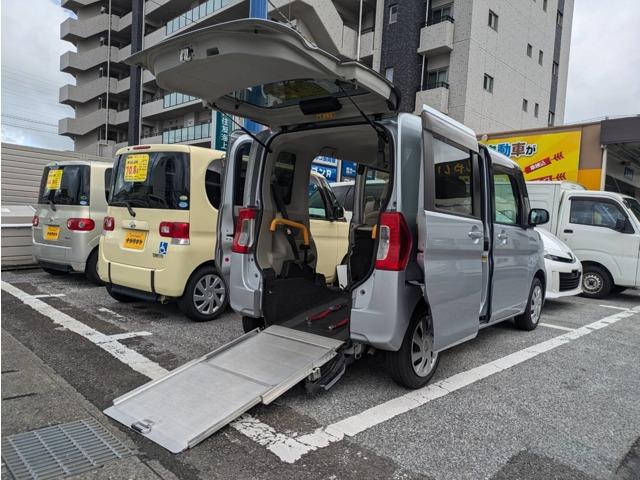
492, 64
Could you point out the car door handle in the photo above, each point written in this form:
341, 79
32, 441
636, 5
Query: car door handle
568, 231
475, 234
503, 237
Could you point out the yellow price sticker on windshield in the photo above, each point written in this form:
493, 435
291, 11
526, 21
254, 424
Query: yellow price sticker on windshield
136, 167
54, 179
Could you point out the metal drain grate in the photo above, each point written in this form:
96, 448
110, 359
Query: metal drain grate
61, 450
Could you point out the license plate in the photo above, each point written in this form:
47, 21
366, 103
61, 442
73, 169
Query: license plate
51, 232
135, 239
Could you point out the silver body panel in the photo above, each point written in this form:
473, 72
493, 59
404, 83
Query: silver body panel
190, 403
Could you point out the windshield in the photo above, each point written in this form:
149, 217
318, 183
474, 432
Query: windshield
65, 185
151, 180
633, 205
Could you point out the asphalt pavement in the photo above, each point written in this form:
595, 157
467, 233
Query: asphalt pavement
559, 402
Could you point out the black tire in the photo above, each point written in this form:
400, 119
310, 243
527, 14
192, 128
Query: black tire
401, 366
531, 317
91, 268
53, 271
196, 303
596, 282
120, 297
618, 289
251, 323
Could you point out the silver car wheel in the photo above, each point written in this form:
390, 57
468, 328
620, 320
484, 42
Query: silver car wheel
592, 282
209, 294
536, 304
423, 358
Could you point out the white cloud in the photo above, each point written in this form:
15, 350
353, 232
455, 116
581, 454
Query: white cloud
31, 77
604, 65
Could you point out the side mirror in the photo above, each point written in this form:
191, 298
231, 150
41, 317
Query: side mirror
338, 212
538, 216
621, 224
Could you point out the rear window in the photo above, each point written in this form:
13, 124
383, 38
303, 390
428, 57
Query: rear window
151, 180
65, 185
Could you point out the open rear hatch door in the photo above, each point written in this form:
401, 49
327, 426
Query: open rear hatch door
267, 72
193, 401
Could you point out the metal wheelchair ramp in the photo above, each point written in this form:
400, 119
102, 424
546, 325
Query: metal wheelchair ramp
193, 401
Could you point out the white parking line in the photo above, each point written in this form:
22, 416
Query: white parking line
291, 448
50, 295
133, 359
614, 307
124, 336
111, 312
557, 327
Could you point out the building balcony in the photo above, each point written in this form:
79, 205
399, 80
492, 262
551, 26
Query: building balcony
193, 134
75, 127
75, 94
437, 38
71, 62
73, 29
436, 96
74, 5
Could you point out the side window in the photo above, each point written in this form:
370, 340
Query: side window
375, 193
107, 183
213, 183
317, 207
506, 199
595, 213
453, 179
283, 172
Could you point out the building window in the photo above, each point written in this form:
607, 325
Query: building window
554, 69
488, 83
544, 5
441, 14
529, 50
393, 14
540, 56
388, 73
536, 110
493, 20
551, 119
525, 104
438, 78
559, 18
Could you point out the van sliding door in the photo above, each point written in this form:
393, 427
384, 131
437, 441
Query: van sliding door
451, 231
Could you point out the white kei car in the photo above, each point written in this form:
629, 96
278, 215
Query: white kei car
564, 270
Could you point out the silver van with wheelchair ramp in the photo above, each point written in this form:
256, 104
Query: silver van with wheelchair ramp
433, 257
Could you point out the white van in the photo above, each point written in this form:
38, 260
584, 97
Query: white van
437, 256
602, 229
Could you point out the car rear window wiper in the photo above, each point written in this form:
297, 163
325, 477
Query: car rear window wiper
53, 205
124, 203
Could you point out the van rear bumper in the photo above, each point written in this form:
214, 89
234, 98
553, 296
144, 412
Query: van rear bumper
132, 292
59, 257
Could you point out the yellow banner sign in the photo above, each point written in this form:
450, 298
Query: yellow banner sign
54, 179
136, 167
548, 156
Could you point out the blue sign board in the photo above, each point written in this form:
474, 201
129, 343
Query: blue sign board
330, 173
349, 169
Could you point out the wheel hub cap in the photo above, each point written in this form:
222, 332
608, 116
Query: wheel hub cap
423, 358
592, 283
536, 304
209, 294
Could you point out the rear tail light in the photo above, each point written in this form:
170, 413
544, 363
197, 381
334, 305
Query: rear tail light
35, 221
81, 224
109, 223
394, 242
174, 230
245, 229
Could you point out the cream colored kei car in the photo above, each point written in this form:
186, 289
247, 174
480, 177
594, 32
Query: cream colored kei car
159, 234
159, 239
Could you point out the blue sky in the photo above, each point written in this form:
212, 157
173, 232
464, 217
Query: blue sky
604, 67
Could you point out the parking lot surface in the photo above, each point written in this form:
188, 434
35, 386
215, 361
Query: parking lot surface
560, 402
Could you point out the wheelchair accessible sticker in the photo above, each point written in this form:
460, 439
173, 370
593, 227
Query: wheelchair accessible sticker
164, 246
